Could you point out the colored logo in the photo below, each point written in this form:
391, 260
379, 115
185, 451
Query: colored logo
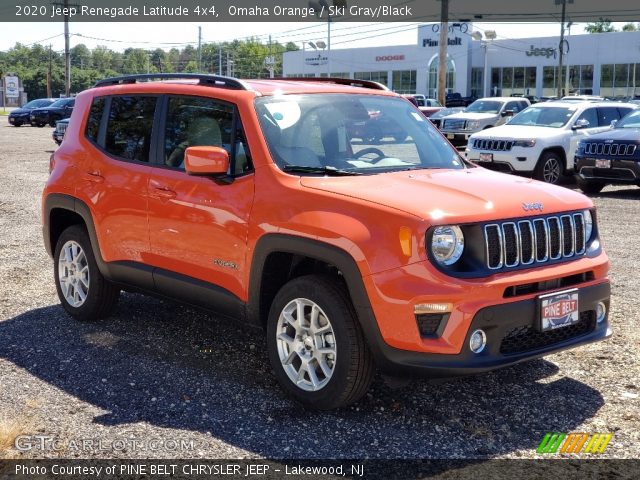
593, 443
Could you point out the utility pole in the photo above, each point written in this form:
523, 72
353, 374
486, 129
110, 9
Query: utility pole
199, 49
442, 56
220, 60
49, 74
270, 61
561, 49
67, 53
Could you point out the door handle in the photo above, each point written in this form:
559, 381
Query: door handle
164, 192
94, 177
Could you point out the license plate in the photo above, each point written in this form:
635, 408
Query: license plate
558, 310
451, 136
603, 163
486, 157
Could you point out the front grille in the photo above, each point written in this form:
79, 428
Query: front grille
609, 149
453, 124
495, 145
527, 338
510, 244
428, 323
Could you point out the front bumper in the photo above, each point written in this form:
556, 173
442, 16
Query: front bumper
518, 159
511, 338
14, 119
457, 138
622, 172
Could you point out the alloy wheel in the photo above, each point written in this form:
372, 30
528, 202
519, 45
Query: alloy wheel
73, 273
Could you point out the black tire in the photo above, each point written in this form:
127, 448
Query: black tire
40, 125
17, 124
400, 137
52, 124
589, 187
549, 168
102, 295
353, 367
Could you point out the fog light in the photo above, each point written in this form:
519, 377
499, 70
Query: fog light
601, 312
477, 341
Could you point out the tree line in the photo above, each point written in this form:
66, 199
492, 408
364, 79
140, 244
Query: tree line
240, 58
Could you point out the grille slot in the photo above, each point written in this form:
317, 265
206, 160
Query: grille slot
526, 338
525, 242
453, 124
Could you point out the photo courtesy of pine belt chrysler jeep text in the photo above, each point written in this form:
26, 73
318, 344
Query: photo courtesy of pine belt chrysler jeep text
251, 198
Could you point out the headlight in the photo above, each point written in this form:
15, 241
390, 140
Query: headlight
473, 124
525, 143
588, 225
447, 244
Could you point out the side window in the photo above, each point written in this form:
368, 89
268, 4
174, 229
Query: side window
193, 121
606, 115
95, 115
129, 127
523, 105
623, 111
589, 115
512, 106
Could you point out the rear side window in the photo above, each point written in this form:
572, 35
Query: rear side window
129, 127
606, 115
95, 115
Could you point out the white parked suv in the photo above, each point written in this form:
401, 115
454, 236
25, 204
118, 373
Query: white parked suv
481, 114
541, 141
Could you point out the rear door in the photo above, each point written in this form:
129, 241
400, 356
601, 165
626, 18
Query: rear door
115, 173
198, 226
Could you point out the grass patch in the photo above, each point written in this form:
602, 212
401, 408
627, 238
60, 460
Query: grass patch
10, 428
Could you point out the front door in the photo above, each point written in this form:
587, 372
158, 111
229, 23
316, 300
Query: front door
198, 226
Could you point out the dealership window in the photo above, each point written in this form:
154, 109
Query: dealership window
477, 82
432, 87
404, 81
301, 75
380, 77
336, 75
620, 80
509, 80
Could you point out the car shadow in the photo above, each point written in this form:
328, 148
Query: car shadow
631, 193
174, 367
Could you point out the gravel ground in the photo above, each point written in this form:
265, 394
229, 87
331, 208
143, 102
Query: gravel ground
201, 387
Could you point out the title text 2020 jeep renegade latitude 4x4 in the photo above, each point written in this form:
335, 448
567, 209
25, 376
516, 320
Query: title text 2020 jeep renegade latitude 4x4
250, 198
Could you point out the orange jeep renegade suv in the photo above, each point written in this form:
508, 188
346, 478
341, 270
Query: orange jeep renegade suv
263, 201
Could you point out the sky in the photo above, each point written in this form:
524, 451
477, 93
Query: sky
119, 36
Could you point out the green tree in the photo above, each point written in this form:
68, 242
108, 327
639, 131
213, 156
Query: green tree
601, 26
81, 56
629, 27
136, 60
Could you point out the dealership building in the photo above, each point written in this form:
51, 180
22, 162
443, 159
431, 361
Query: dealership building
606, 64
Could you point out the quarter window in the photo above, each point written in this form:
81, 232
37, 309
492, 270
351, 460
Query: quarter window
129, 127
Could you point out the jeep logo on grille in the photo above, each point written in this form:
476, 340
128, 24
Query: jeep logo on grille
527, 207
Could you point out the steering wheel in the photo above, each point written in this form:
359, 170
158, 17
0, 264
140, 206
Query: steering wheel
368, 151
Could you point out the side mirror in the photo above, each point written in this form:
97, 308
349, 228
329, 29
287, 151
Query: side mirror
613, 123
206, 161
507, 113
582, 123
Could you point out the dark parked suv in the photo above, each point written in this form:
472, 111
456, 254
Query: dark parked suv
50, 114
611, 157
21, 116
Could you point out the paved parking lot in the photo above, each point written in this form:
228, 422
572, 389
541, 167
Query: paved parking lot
161, 380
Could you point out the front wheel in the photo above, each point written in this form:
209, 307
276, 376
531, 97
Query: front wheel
589, 187
84, 293
315, 344
549, 168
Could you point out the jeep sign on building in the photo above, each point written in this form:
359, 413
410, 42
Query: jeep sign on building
599, 64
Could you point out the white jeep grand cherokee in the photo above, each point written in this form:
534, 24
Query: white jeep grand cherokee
541, 140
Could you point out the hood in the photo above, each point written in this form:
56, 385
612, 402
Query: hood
519, 131
19, 111
464, 196
628, 134
472, 116
47, 109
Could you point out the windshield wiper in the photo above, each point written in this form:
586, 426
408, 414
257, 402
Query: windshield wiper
330, 171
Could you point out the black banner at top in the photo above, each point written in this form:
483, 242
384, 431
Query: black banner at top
313, 10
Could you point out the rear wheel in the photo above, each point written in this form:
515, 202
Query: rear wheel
52, 123
84, 293
549, 168
588, 186
315, 344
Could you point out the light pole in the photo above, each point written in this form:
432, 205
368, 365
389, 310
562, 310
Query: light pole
489, 35
321, 7
566, 79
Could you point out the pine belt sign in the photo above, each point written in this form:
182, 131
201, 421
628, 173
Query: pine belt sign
11, 87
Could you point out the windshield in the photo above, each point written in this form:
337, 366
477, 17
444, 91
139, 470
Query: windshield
484, 106
632, 120
351, 134
554, 117
38, 103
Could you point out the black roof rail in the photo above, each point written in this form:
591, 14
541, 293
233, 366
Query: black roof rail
203, 79
339, 81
